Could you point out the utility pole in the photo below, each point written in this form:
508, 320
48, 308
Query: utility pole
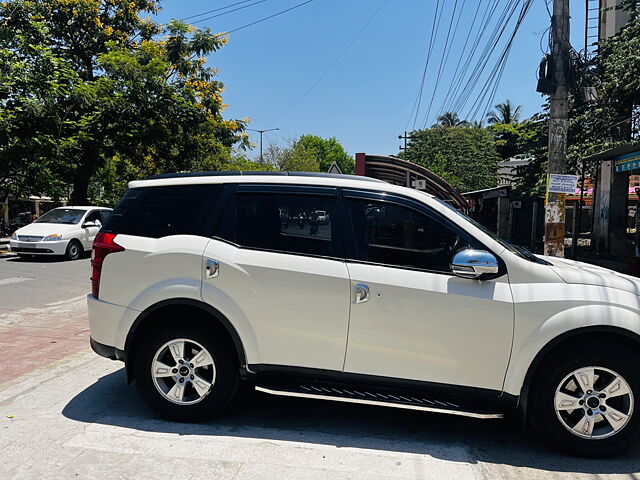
554, 218
405, 137
261, 132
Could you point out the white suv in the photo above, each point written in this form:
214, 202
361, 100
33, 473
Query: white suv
397, 300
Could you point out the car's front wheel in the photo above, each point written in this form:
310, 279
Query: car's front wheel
584, 400
185, 373
74, 250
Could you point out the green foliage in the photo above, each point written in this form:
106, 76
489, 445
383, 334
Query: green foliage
93, 95
294, 157
513, 138
466, 157
308, 153
450, 119
327, 151
505, 113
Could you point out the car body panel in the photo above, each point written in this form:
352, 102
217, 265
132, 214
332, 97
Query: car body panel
431, 327
296, 307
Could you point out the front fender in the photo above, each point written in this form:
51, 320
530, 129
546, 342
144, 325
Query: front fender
528, 344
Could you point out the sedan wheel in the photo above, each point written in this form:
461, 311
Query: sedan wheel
74, 250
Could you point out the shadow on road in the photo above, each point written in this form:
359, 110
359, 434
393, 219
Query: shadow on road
110, 401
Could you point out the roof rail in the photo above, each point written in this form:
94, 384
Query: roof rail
263, 173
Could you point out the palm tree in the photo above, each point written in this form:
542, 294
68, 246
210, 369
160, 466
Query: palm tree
507, 112
451, 119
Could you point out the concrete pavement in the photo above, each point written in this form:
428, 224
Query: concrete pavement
67, 413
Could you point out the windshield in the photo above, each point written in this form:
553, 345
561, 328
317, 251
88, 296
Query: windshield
518, 250
62, 215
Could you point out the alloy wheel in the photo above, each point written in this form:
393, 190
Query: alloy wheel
183, 371
594, 402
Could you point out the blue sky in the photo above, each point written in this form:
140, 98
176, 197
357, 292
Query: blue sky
366, 98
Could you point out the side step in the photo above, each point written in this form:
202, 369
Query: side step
367, 397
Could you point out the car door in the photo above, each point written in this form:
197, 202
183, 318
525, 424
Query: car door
89, 233
282, 274
411, 318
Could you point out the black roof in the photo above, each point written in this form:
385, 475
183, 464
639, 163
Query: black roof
262, 173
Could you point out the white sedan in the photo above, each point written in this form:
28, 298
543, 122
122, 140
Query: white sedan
67, 231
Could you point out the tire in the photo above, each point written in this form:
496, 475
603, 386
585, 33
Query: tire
606, 423
74, 250
199, 402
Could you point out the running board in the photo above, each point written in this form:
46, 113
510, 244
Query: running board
362, 396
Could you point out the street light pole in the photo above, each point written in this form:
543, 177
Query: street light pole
261, 132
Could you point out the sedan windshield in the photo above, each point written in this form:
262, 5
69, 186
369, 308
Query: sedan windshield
62, 215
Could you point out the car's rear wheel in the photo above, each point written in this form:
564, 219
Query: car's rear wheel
74, 250
585, 398
186, 374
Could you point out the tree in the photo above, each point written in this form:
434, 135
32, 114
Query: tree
294, 157
327, 151
506, 113
451, 119
102, 91
512, 138
466, 157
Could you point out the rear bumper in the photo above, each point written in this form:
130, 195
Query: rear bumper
106, 351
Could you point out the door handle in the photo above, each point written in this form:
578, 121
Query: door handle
362, 293
212, 268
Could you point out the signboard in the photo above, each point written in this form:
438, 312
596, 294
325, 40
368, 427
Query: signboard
420, 184
627, 162
334, 168
562, 183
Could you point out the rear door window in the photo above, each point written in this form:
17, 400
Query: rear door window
288, 223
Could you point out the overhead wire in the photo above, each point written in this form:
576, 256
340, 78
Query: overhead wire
489, 90
483, 60
445, 57
332, 64
483, 27
227, 12
434, 32
215, 10
460, 56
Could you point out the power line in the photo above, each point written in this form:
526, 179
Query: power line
434, 32
462, 52
483, 27
215, 10
493, 81
481, 64
445, 56
229, 11
333, 64
267, 18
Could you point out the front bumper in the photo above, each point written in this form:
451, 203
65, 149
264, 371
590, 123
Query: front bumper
39, 248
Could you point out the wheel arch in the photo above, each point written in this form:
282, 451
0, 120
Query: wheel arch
221, 322
618, 335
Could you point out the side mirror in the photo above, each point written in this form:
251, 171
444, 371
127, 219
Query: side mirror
471, 263
89, 224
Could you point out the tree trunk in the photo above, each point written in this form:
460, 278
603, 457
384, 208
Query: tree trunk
82, 177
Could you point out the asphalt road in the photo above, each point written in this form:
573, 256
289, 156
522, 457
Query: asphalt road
41, 281
67, 413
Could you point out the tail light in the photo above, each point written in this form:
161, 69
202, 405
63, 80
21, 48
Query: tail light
103, 245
